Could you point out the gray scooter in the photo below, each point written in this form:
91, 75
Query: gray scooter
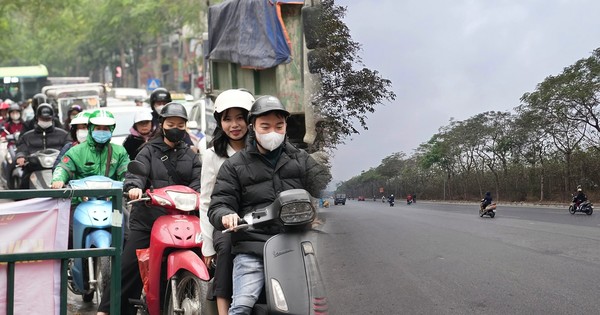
293, 282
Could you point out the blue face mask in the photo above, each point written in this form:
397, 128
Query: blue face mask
101, 136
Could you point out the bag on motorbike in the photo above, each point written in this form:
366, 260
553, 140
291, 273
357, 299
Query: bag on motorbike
143, 256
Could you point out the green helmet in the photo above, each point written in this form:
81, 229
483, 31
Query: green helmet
101, 117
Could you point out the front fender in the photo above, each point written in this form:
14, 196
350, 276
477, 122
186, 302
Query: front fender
188, 260
98, 239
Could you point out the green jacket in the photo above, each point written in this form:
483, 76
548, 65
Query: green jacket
86, 159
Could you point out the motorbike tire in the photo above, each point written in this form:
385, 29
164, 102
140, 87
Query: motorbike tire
571, 209
103, 272
492, 215
191, 294
589, 211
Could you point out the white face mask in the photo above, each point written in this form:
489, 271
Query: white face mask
15, 116
271, 140
159, 108
45, 124
82, 135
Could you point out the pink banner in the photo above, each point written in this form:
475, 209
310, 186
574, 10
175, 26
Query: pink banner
34, 225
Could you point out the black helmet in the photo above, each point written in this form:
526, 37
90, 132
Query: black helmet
37, 100
158, 95
173, 110
265, 104
44, 110
14, 108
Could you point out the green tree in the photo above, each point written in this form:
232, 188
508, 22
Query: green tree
346, 94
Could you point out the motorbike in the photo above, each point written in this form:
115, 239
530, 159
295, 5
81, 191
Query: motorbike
391, 202
409, 201
11, 176
585, 207
489, 210
42, 162
293, 281
173, 263
91, 229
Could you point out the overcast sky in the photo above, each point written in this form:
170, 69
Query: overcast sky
457, 59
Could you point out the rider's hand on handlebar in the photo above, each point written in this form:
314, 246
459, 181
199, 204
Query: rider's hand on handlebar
230, 221
20, 161
57, 185
135, 193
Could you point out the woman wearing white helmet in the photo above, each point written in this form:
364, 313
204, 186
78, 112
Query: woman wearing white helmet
141, 131
231, 112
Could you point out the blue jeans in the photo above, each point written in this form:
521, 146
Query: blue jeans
248, 282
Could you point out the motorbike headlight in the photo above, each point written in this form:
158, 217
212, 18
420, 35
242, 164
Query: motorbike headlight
47, 161
184, 201
297, 213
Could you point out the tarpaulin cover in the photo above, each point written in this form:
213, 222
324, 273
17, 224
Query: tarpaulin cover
248, 32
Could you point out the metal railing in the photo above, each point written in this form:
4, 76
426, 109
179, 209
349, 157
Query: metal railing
114, 252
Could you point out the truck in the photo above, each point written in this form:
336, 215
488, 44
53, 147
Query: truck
261, 46
339, 199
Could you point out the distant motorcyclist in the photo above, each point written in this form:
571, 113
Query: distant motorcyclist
14, 123
38, 99
409, 199
487, 200
391, 198
580, 197
44, 136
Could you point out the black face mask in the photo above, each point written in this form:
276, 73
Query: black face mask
174, 134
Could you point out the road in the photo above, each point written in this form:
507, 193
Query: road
431, 258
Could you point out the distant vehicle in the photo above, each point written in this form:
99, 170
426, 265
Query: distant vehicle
87, 95
339, 199
124, 116
126, 96
361, 198
202, 123
68, 80
21, 83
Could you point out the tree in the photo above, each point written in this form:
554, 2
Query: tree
346, 94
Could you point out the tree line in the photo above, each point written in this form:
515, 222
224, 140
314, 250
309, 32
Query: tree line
542, 151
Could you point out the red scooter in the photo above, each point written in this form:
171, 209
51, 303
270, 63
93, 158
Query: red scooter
173, 261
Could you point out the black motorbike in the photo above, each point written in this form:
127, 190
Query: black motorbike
293, 282
391, 202
585, 207
489, 210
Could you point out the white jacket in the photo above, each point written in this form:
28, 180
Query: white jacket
211, 163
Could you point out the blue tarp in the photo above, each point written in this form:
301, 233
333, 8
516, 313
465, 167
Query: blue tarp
247, 32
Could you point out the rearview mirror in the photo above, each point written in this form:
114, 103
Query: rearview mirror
138, 168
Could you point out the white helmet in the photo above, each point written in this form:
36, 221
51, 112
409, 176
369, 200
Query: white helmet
142, 115
234, 98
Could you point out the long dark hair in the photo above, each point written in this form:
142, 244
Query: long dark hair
220, 140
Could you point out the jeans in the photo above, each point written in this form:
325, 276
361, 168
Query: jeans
248, 282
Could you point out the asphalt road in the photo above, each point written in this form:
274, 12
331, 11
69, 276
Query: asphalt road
432, 258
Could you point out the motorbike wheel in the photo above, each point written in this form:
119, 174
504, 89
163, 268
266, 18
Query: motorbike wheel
191, 294
571, 209
589, 211
102, 275
481, 213
492, 215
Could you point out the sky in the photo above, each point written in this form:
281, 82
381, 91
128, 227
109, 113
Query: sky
456, 59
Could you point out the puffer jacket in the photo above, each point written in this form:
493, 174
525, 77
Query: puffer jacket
186, 164
40, 139
248, 181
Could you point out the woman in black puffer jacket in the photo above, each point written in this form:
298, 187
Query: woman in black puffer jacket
171, 162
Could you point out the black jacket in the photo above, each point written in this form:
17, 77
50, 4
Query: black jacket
31, 124
132, 144
186, 164
40, 139
248, 181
